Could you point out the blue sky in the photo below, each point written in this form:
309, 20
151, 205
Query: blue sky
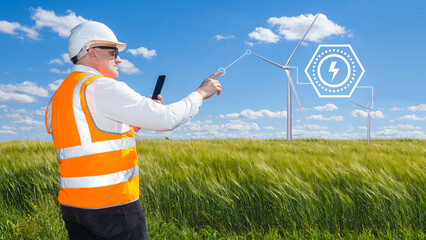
189, 40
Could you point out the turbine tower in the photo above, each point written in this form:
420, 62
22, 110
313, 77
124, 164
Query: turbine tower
368, 108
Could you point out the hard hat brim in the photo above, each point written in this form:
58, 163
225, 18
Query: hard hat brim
120, 46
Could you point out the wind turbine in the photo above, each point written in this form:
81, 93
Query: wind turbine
290, 86
368, 111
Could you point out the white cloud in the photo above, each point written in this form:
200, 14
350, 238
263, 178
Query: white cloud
144, 52
206, 129
7, 130
396, 109
17, 112
221, 37
62, 25
293, 28
322, 118
412, 117
196, 125
239, 125
2, 106
420, 108
27, 128
12, 27
55, 70
31, 33
65, 59
241, 129
397, 133
128, 67
248, 113
403, 127
376, 114
264, 35
232, 125
24, 113
314, 127
364, 114
55, 85
9, 27
327, 107
229, 115
311, 127
22, 110
249, 43
56, 60
22, 92
14, 115
28, 121
302, 133
26, 87
39, 112
206, 134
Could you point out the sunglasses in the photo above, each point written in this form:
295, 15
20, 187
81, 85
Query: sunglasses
114, 54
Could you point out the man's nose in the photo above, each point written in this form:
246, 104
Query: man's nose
118, 59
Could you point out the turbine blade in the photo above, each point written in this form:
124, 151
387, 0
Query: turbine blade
287, 71
301, 40
358, 104
375, 94
269, 61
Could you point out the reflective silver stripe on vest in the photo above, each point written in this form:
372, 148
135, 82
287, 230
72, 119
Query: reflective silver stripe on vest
49, 115
96, 147
99, 181
80, 118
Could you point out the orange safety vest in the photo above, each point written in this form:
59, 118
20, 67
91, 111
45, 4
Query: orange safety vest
98, 169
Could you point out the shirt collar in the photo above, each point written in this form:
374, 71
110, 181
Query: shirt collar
83, 68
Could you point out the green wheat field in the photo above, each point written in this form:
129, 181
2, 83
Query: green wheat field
240, 189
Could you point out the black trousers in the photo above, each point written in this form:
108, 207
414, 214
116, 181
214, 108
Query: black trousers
120, 222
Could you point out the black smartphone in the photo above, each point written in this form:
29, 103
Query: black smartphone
158, 87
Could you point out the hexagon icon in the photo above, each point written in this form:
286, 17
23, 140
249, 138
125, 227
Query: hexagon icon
334, 71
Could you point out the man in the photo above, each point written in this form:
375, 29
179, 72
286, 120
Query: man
93, 119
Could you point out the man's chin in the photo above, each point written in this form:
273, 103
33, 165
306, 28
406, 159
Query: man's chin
112, 75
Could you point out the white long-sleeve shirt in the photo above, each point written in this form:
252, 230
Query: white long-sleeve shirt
115, 107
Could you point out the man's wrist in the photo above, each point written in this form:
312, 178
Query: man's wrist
197, 96
201, 93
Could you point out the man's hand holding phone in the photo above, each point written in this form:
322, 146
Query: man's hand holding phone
158, 100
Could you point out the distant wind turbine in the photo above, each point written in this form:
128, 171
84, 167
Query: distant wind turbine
368, 111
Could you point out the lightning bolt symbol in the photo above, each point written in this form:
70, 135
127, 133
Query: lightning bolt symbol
333, 69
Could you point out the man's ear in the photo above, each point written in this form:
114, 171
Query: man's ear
92, 54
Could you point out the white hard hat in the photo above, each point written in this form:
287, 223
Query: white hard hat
91, 32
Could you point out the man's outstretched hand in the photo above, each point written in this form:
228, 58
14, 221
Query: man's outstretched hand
210, 86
